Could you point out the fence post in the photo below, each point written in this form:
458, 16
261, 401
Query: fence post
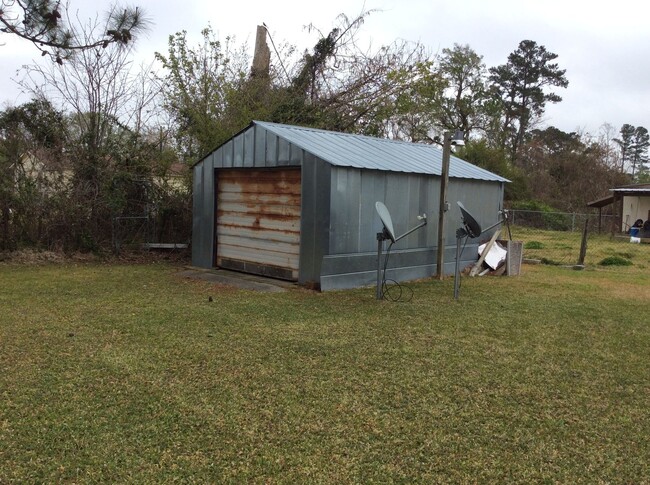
583, 244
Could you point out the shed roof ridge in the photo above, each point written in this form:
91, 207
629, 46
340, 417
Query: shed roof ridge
374, 139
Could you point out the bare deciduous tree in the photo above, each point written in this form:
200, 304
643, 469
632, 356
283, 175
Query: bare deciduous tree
106, 106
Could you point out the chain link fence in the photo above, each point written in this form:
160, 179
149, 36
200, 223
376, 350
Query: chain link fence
168, 228
557, 238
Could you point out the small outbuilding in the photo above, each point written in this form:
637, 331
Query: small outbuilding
299, 204
630, 203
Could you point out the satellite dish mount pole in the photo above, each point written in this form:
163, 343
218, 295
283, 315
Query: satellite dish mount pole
389, 233
381, 237
471, 229
460, 234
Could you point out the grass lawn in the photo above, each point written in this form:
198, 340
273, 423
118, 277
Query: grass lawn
115, 373
563, 247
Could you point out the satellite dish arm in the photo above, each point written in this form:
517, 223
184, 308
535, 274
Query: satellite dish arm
422, 224
504, 218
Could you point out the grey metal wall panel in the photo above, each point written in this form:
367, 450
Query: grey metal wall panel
354, 222
315, 222
198, 237
424, 194
373, 188
356, 270
249, 147
256, 148
271, 149
344, 281
344, 216
259, 157
284, 152
238, 151
397, 201
217, 158
482, 199
297, 155
227, 151
207, 214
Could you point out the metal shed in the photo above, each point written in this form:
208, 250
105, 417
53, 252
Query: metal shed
299, 204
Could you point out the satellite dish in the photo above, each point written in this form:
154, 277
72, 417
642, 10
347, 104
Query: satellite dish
389, 233
472, 227
386, 220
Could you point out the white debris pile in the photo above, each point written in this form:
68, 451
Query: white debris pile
496, 255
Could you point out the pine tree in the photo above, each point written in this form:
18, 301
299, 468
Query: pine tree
44, 23
641, 141
521, 84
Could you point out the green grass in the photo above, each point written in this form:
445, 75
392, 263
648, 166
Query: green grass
129, 374
563, 247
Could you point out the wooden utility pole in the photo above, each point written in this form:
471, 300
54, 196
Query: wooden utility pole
444, 182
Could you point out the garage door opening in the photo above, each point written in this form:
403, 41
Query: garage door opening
258, 221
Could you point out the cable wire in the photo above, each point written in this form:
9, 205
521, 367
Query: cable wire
460, 255
394, 291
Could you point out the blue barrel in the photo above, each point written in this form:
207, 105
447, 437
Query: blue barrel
634, 231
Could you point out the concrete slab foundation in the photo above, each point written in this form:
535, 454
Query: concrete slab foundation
237, 280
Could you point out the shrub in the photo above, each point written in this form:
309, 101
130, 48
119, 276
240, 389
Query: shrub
533, 245
615, 261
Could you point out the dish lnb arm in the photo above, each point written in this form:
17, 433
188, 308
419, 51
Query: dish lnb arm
422, 218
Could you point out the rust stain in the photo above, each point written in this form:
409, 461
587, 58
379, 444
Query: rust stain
263, 206
256, 182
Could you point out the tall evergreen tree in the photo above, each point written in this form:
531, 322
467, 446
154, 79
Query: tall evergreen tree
521, 85
626, 145
639, 152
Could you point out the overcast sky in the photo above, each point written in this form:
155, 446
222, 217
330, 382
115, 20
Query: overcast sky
604, 46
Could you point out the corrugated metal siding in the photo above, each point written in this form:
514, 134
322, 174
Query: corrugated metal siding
354, 222
202, 219
198, 237
315, 219
357, 151
258, 221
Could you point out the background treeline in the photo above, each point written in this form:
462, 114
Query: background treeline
103, 141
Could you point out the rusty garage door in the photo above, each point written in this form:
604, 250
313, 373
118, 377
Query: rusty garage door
258, 221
